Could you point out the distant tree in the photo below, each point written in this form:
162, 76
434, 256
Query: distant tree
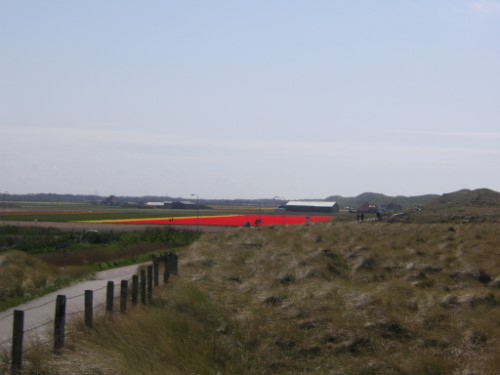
110, 200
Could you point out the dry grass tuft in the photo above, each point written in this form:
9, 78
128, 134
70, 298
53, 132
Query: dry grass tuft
24, 277
334, 298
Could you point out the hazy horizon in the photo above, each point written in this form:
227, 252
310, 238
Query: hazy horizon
251, 100
6, 195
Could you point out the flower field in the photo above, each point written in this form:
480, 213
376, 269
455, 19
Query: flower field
224, 220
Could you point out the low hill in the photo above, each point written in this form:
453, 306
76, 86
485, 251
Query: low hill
382, 200
468, 198
465, 198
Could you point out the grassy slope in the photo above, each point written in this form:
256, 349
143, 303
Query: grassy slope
24, 277
336, 298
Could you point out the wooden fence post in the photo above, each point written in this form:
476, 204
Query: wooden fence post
123, 296
59, 323
17, 342
110, 295
150, 283
168, 263
156, 271
89, 309
143, 287
135, 289
176, 263
166, 271
172, 263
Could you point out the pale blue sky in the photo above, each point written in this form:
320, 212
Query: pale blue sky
249, 99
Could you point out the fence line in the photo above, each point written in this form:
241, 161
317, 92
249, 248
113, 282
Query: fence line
6, 316
37, 327
77, 296
40, 306
146, 295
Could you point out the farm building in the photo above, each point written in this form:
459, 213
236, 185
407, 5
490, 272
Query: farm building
368, 208
176, 205
312, 206
187, 205
157, 204
183, 205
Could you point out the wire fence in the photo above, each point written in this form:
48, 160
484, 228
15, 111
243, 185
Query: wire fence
143, 285
9, 315
52, 302
6, 316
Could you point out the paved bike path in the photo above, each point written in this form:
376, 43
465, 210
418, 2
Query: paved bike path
39, 313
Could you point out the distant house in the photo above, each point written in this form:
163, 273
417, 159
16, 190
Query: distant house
187, 205
312, 206
183, 205
368, 208
157, 204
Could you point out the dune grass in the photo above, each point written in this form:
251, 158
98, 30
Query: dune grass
335, 298
24, 277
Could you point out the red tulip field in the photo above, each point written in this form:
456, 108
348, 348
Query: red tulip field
226, 220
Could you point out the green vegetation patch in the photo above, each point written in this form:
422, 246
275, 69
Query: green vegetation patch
85, 216
38, 260
24, 277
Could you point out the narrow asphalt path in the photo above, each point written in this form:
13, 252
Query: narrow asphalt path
39, 313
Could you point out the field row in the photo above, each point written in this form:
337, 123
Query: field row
224, 220
219, 216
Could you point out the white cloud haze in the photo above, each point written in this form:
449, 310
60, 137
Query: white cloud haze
486, 6
249, 100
